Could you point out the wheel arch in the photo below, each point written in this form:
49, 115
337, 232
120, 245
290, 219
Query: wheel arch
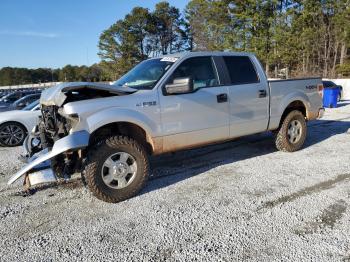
295, 105
126, 128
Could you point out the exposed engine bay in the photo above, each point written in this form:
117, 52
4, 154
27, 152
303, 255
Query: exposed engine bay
54, 125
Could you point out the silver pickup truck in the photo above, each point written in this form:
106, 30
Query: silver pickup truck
180, 101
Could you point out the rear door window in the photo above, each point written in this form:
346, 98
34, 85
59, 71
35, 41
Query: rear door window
241, 70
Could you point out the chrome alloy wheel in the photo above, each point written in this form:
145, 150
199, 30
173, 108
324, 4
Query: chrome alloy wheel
11, 135
119, 170
294, 131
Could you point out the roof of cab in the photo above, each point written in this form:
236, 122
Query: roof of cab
206, 53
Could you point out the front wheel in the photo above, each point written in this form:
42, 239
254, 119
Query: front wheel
291, 135
116, 169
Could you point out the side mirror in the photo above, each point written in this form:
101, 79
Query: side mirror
181, 85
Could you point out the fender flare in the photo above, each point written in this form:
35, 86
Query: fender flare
293, 97
115, 115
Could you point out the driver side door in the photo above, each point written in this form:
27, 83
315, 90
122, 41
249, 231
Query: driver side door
197, 117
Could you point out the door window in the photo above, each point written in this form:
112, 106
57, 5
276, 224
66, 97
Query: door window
200, 70
241, 70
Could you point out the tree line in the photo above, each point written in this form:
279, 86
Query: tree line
290, 37
17, 76
304, 38
142, 34
307, 37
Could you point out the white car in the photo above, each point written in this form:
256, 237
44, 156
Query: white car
16, 124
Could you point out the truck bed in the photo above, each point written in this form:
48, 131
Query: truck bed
283, 92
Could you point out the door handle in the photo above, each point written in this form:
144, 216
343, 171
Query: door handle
262, 93
222, 98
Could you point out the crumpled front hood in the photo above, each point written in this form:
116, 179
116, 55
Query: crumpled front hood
55, 95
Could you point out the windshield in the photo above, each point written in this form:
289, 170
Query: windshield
25, 99
146, 74
31, 106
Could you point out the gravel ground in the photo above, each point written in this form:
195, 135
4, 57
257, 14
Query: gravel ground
240, 200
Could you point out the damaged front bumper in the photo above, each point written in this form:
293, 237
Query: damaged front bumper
35, 168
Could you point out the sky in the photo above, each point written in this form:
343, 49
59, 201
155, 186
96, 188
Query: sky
47, 33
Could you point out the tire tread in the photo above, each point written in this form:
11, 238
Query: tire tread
281, 140
93, 158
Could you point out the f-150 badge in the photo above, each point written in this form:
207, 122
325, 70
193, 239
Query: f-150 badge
145, 104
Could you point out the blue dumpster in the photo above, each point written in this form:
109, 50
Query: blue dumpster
330, 97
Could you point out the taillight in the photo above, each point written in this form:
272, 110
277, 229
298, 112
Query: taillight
320, 89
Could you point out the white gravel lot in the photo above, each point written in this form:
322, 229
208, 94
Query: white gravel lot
241, 200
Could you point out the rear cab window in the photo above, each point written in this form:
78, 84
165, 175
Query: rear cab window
241, 70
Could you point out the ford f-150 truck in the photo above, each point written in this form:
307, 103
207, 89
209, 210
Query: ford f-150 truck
165, 104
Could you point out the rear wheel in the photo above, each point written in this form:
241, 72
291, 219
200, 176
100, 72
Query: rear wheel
117, 169
291, 135
12, 134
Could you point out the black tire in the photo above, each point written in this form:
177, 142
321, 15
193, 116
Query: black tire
96, 164
18, 132
283, 139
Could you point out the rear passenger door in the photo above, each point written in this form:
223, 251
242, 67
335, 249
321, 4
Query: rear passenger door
248, 95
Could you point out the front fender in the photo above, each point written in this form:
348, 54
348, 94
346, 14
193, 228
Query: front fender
74, 141
113, 115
